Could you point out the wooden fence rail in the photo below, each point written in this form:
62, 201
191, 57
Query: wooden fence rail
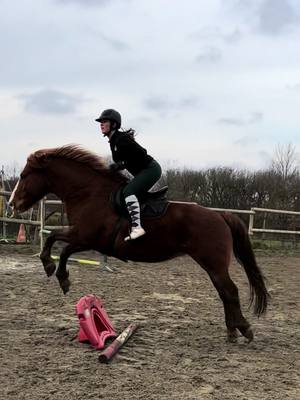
45, 229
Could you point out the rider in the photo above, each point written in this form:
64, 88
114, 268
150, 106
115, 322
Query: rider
128, 154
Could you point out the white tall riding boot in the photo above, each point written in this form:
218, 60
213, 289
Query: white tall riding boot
133, 207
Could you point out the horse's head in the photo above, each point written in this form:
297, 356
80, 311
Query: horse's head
59, 170
32, 184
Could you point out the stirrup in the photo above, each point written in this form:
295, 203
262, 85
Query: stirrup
135, 233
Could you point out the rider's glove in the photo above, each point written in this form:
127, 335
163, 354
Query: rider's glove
116, 166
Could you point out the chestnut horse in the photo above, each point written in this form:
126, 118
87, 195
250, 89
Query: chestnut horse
84, 184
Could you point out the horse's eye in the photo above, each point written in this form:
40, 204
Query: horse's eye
22, 176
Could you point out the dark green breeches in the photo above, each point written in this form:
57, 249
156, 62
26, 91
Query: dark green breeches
143, 181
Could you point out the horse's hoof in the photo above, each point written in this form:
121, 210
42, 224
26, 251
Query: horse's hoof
50, 268
65, 285
248, 334
232, 336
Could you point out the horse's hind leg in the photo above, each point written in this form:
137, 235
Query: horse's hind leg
234, 318
45, 256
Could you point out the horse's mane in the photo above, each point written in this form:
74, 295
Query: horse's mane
71, 152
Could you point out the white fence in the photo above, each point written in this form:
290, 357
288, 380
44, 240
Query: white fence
39, 222
265, 210
45, 229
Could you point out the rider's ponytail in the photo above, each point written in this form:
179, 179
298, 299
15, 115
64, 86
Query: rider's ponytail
130, 132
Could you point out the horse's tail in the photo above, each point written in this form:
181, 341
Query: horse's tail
245, 256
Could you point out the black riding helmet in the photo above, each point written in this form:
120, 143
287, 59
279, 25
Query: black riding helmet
110, 115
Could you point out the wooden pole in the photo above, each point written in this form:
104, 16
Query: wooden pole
107, 354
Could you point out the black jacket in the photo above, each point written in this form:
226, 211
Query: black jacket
128, 153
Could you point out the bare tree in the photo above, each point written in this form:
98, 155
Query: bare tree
285, 161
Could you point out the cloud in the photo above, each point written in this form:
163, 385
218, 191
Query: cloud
213, 33
275, 16
113, 43
84, 2
265, 158
246, 140
157, 103
232, 37
50, 102
209, 55
295, 87
269, 17
164, 104
231, 121
253, 118
188, 102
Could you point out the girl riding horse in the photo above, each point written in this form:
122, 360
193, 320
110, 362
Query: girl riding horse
128, 154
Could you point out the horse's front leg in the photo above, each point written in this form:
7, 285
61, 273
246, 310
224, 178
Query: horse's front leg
62, 274
45, 256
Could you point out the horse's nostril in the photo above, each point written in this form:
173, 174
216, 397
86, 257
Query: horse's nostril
10, 211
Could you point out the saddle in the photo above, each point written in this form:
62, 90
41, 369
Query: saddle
153, 205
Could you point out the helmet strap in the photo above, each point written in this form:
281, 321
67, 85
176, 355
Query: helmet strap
110, 133
112, 129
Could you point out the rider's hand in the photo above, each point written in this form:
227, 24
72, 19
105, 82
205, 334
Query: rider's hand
115, 167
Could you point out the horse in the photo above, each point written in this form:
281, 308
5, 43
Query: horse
84, 183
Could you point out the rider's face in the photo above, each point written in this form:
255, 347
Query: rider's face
105, 127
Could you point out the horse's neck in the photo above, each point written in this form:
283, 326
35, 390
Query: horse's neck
69, 179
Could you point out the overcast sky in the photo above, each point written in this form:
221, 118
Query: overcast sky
204, 83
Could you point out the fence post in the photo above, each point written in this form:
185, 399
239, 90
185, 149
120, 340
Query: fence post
3, 203
264, 225
251, 223
42, 220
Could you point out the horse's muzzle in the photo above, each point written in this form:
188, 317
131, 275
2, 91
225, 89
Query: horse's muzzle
10, 212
